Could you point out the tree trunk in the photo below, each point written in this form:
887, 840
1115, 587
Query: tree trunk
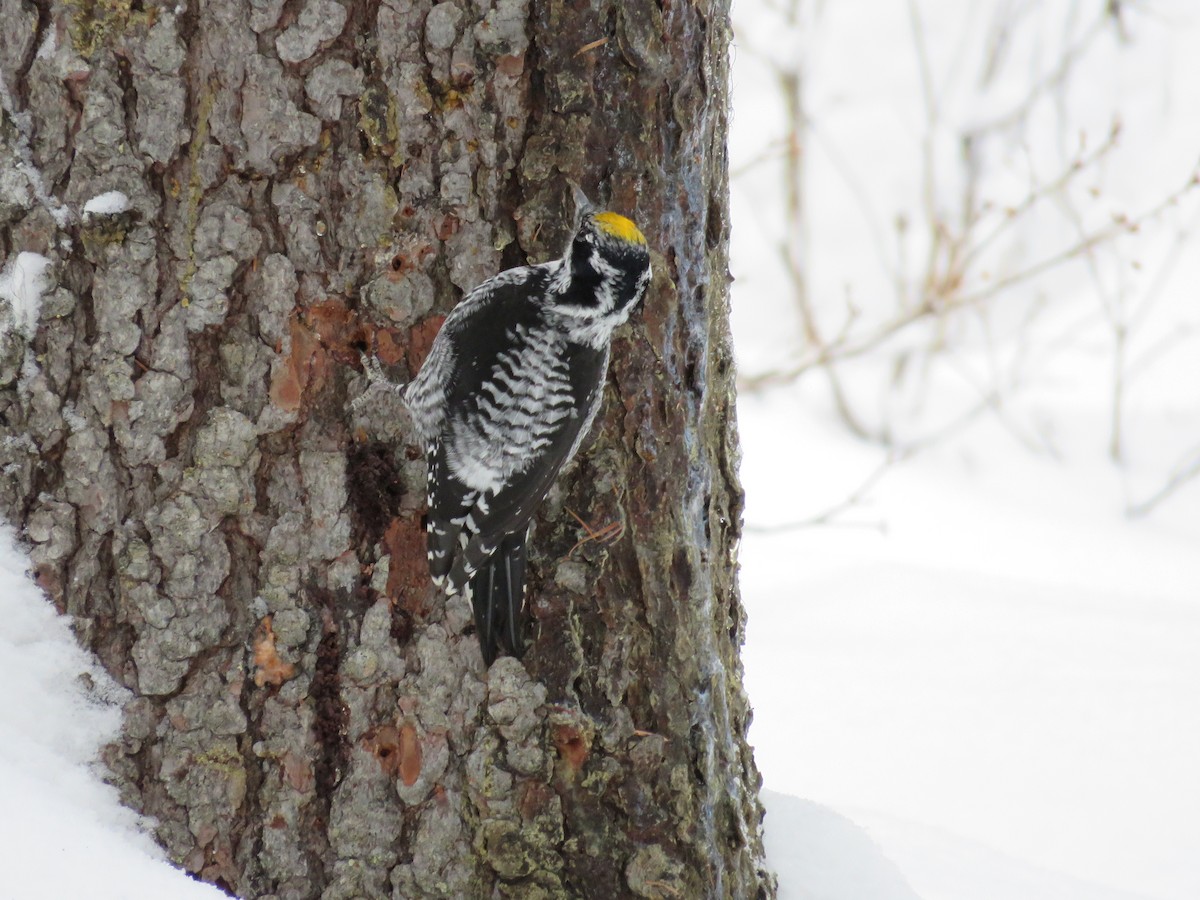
230, 508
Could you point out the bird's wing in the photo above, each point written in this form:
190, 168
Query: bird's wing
485, 552
504, 504
502, 403
428, 394
464, 350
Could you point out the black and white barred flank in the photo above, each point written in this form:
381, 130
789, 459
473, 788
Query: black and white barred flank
509, 391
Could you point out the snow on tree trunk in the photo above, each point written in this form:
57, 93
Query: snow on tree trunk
230, 509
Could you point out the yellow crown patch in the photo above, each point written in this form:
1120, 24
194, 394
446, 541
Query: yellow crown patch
619, 227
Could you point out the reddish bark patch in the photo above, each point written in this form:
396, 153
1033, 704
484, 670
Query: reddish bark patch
304, 364
298, 772
337, 328
572, 745
512, 64
399, 266
410, 258
408, 575
270, 668
420, 340
320, 334
384, 744
390, 346
398, 751
410, 754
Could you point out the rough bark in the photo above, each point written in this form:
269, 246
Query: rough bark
230, 509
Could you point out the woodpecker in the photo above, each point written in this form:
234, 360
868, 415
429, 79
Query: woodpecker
507, 394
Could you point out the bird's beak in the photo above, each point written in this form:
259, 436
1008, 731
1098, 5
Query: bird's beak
583, 205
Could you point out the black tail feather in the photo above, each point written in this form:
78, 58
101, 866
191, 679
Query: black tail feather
482, 592
498, 599
514, 593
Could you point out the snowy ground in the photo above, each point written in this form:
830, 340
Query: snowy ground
63, 833
1002, 689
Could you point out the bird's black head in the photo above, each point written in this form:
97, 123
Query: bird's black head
609, 262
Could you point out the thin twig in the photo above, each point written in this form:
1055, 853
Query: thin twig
829, 516
1041, 192
592, 45
1182, 474
609, 534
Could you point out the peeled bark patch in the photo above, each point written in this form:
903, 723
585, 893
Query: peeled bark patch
573, 746
410, 754
269, 668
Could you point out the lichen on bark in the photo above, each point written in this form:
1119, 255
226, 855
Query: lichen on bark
229, 506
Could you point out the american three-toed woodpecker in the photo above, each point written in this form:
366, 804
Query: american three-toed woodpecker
504, 399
